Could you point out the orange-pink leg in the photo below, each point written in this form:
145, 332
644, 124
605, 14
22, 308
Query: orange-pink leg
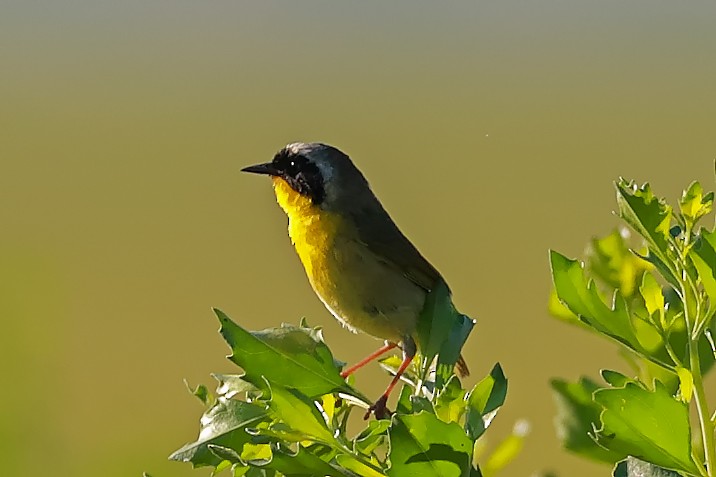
368, 359
379, 408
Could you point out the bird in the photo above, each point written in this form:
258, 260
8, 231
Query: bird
366, 272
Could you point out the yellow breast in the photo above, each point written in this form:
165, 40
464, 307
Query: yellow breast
356, 287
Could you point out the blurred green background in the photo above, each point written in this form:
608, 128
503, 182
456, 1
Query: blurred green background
490, 130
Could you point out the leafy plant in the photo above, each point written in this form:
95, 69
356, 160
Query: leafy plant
290, 412
660, 309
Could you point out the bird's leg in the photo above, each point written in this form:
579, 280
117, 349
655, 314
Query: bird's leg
388, 346
379, 408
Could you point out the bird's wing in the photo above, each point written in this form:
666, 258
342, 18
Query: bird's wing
378, 233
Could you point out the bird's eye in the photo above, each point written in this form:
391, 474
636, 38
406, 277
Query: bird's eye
293, 163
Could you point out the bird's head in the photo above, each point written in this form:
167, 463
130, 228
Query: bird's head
318, 173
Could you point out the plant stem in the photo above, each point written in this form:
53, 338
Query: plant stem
705, 424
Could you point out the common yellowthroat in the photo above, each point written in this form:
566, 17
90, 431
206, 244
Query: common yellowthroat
361, 266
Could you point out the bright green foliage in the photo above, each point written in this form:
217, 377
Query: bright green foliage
661, 310
306, 363
582, 298
483, 402
577, 415
223, 424
648, 424
424, 445
442, 332
288, 413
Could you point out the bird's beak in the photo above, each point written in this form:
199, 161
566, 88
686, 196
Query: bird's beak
267, 169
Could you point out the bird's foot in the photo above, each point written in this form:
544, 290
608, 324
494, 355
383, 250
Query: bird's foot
380, 409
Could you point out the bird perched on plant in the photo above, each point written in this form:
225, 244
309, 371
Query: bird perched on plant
361, 266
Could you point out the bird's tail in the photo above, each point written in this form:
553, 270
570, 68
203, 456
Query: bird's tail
461, 367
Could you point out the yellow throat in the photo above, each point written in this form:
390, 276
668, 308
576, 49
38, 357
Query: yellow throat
312, 229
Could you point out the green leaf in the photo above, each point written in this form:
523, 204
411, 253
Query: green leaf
620, 470
694, 204
371, 437
661, 266
577, 417
231, 385
306, 363
484, 400
434, 323
614, 378
583, 299
256, 452
704, 258
650, 425
450, 405
299, 463
442, 332
557, 309
686, 384
408, 403
201, 392
300, 413
450, 349
226, 454
357, 467
648, 215
224, 425
651, 292
610, 260
421, 444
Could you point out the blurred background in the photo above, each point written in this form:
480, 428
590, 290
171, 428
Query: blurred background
491, 131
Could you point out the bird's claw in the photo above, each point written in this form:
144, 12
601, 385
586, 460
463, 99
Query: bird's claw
380, 409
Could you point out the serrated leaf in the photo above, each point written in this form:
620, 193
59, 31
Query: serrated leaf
484, 400
223, 425
422, 444
299, 463
231, 385
583, 299
650, 425
557, 309
694, 204
299, 413
577, 416
306, 363
647, 214
201, 392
